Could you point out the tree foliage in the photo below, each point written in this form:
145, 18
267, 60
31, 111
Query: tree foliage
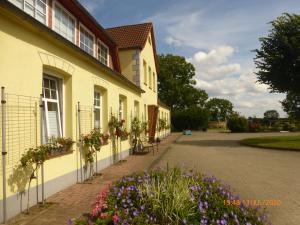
176, 83
291, 105
194, 118
271, 115
220, 109
237, 123
278, 59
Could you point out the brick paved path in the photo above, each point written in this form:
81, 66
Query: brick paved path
77, 199
253, 173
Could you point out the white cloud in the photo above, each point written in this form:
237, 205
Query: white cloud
215, 63
222, 36
222, 78
215, 56
173, 41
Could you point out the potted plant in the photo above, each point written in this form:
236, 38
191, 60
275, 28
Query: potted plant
59, 145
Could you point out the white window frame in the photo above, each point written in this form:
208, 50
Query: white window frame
46, 100
91, 33
121, 108
23, 8
150, 77
99, 43
145, 72
66, 11
154, 81
100, 107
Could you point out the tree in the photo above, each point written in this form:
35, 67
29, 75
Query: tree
278, 59
194, 118
237, 123
176, 84
220, 109
291, 105
271, 116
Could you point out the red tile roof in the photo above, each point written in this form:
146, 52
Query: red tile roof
134, 36
131, 36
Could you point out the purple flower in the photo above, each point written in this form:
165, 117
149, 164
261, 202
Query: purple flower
223, 222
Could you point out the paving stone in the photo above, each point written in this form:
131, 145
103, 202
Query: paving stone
254, 173
78, 198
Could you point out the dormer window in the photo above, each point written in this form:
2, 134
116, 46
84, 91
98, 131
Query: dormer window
86, 40
103, 53
64, 23
35, 8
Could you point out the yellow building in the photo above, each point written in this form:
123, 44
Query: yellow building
55, 53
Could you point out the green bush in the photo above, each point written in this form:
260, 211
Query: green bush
194, 118
276, 127
297, 126
237, 123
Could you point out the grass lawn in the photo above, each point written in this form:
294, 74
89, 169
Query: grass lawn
285, 142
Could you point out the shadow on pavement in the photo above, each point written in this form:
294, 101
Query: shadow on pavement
210, 143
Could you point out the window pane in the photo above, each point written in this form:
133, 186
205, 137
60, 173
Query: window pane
52, 84
18, 3
64, 24
103, 53
97, 118
145, 72
29, 9
53, 94
44, 128
41, 6
46, 83
47, 93
53, 118
86, 41
40, 17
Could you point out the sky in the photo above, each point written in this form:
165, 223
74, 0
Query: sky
217, 36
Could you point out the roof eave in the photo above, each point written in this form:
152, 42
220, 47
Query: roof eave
27, 18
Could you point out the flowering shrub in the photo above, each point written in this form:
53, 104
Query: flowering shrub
170, 197
92, 143
117, 129
32, 159
58, 145
95, 139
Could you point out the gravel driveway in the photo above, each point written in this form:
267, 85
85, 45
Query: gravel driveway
255, 174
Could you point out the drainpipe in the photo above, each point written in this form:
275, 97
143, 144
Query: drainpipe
94, 110
80, 142
41, 137
3, 109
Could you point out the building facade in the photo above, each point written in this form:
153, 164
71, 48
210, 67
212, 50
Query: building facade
55, 54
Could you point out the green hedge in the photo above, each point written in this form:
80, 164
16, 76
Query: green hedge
237, 123
194, 118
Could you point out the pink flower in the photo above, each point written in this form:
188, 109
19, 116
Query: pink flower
103, 215
101, 201
95, 211
115, 218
